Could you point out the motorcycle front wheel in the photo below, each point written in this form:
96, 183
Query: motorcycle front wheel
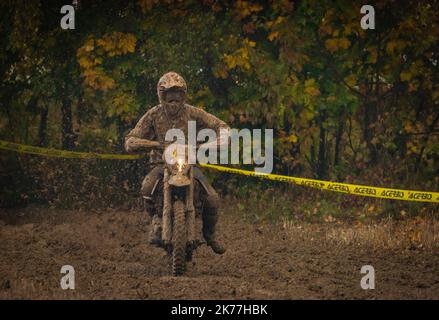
179, 240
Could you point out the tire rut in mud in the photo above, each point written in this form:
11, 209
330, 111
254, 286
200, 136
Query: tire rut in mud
112, 259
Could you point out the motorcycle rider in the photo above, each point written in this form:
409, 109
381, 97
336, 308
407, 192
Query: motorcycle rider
150, 132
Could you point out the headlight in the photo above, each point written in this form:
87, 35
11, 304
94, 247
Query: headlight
175, 158
180, 165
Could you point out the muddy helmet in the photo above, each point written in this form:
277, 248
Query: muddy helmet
170, 80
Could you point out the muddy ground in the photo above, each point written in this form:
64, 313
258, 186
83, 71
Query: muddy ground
112, 260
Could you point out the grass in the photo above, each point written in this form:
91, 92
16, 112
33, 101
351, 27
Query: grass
345, 220
295, 203
415, 233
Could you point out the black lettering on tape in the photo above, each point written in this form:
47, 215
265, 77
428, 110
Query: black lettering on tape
392, 194
338, 187
419, 195
365, 190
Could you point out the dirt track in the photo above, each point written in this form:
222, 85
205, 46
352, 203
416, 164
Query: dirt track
112, 259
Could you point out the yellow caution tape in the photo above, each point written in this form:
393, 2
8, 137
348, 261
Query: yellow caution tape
368, 191
62, 153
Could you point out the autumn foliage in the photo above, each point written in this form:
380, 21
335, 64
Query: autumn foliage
345, 104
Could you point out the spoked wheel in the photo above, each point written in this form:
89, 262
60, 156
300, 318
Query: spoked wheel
179, 239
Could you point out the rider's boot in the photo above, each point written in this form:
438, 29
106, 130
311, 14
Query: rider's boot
210, 219
155, 233
148, 205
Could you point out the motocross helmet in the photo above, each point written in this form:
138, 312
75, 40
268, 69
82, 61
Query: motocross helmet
171, 90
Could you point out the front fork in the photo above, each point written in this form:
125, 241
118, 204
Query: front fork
190, 217
167, 210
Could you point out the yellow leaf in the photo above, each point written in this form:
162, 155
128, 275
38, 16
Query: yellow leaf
331, 45
84, 62
335, 44
408, 127
405, 76
347, 30
279, 20
390, 48
307, 115
250, 43
220, 73
293, 138
351, 80
273, 35
344, 43
311, 88
230, 61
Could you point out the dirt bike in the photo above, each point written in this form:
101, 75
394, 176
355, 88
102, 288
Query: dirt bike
180, 235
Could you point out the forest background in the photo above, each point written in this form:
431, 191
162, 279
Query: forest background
346, 104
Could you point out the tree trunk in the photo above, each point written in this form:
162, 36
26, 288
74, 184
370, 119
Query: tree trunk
372, 106
370, 118
321, 161
42, 130
425, 141
68, 136
338, 137
121, 128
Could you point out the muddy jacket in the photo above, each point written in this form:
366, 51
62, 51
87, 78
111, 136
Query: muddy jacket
156, 122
